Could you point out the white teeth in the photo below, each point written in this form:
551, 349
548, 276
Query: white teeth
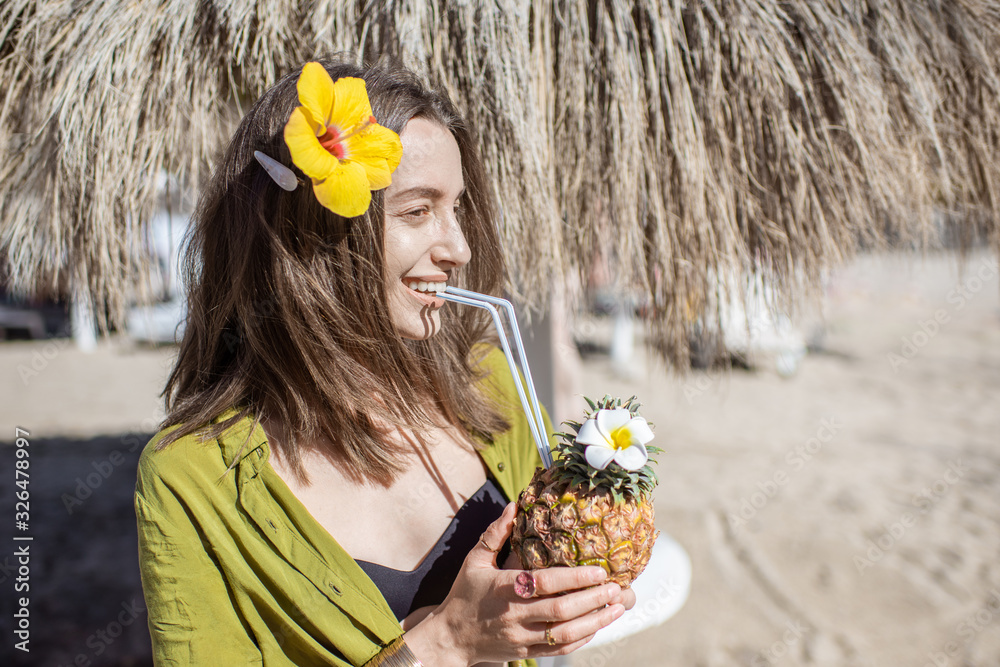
423, 286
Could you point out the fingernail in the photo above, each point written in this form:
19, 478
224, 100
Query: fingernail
617, 611
598, 574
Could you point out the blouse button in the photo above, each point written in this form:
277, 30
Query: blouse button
501, 466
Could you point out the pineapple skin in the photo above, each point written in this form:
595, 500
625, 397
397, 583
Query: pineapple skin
561, 525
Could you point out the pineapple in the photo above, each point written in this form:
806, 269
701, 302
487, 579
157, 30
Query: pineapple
577, 514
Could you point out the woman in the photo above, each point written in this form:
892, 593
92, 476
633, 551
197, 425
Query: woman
340, 449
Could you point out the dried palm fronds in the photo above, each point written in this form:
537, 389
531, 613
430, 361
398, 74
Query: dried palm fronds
682, 139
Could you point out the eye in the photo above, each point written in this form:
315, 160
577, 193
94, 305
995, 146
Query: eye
417, 212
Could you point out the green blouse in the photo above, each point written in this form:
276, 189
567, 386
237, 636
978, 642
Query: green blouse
236, 571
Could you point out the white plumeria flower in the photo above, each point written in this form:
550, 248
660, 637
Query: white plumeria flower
615, 435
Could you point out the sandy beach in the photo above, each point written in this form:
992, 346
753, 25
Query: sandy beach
848, 515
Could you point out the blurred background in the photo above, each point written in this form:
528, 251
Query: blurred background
775, 222
844, 511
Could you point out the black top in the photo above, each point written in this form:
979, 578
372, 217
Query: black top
430, 582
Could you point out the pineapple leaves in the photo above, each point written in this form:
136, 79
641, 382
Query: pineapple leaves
571, 463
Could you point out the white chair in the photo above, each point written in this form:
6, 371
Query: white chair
660, 591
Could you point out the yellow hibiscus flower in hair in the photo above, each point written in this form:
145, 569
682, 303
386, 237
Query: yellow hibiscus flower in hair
336, 141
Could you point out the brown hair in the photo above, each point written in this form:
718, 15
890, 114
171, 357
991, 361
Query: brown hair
287, 314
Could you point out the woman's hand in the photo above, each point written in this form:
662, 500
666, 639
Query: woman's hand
484, 620
514, 563
628, 598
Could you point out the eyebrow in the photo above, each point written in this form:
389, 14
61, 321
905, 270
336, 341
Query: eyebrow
423, 191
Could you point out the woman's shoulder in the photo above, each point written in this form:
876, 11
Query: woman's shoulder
191, 450
197, 457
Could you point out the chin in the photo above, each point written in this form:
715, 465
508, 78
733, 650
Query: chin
421, 328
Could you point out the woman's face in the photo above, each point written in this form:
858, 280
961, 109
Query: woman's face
424, 243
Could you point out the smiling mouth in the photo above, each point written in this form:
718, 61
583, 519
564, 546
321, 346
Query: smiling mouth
425, 292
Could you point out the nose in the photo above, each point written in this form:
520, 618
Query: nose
451, 249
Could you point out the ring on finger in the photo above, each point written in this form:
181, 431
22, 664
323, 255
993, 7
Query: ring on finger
548, 634
525, 585
482, 540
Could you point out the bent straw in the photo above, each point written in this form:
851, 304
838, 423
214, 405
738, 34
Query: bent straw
516, 331
532, 410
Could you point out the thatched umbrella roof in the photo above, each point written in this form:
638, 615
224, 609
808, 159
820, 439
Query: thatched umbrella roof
683, 138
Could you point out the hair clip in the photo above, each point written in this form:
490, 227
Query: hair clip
282, 175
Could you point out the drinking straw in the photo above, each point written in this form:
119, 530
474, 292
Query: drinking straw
532, 409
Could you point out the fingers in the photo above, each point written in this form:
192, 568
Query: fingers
493, 538
627, 598
573, 605
543, 651
570, 635
562, 579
